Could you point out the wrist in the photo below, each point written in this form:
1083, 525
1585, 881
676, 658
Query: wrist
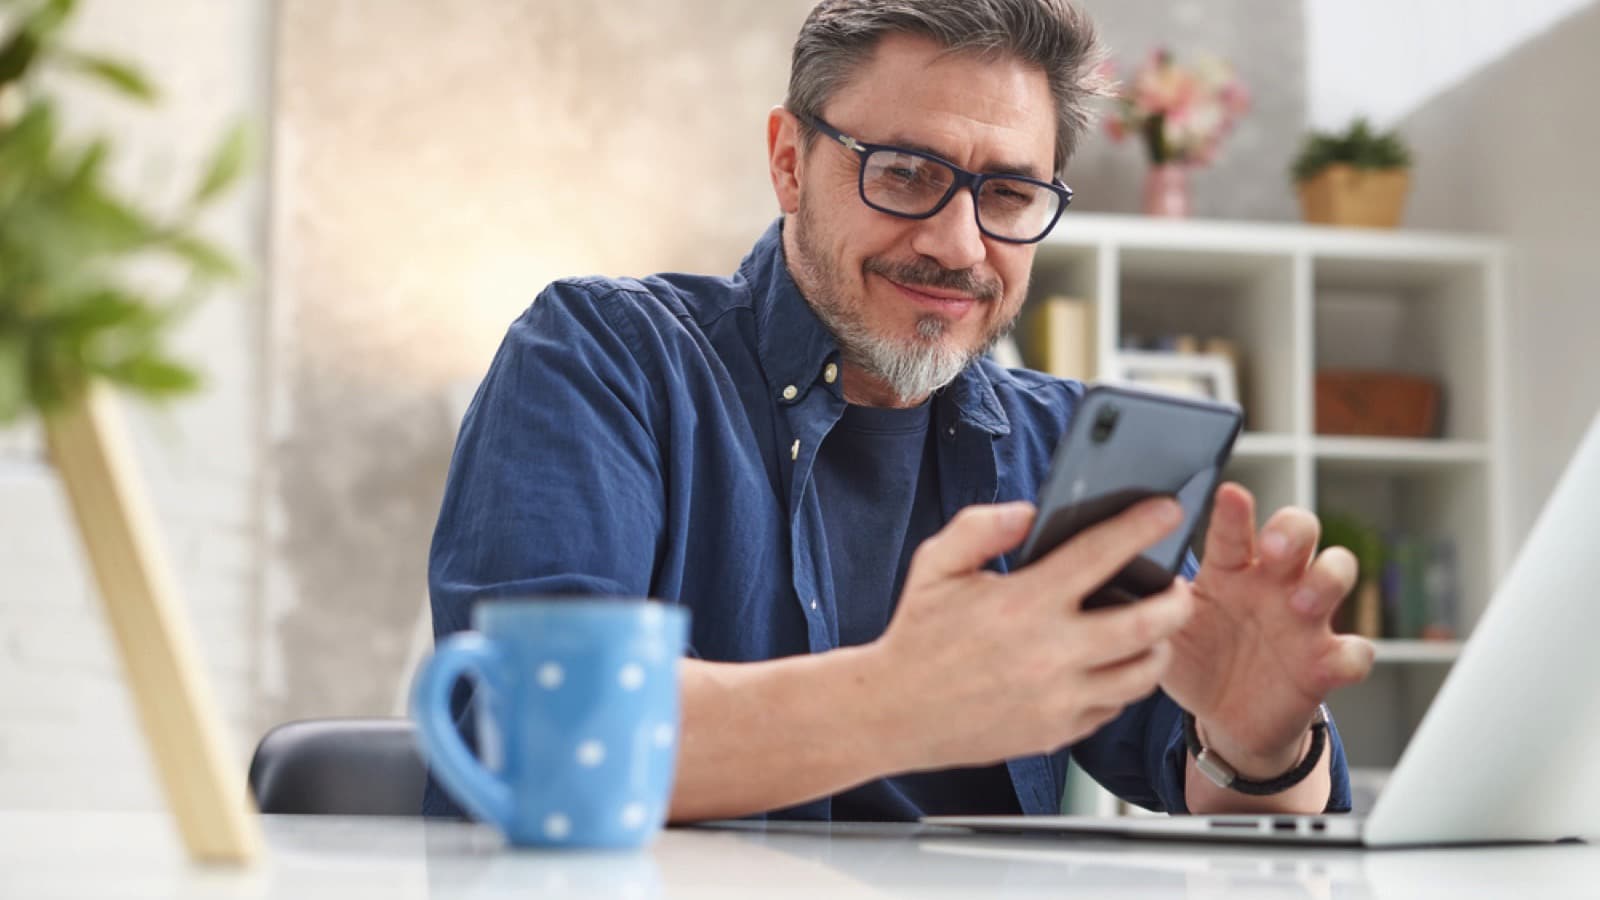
1253, 762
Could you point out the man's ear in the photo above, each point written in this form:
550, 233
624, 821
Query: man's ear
783, 158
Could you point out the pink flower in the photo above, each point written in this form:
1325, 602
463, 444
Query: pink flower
1197, 105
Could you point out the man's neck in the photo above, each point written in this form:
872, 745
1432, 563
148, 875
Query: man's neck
862, 389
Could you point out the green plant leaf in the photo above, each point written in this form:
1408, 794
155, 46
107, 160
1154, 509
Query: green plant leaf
13, 378
207, 259
227, 162
151, 374
1358, 145
113, 73
32, 37
18, 55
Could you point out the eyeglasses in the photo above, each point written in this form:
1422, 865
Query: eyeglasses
916, 185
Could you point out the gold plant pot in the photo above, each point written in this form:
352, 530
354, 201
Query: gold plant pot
1341, 194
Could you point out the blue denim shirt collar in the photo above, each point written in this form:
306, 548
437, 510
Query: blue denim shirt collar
795, 347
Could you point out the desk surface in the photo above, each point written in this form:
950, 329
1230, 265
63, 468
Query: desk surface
115, 855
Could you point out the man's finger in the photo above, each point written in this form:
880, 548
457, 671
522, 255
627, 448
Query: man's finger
1287, 542
1089, 559
1231, 537
1112, 636
974, 536
1327, 582
1348, 663
1130, 680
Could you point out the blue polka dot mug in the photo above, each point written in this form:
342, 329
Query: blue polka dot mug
576, 713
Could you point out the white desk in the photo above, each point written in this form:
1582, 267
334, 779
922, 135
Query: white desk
108, 855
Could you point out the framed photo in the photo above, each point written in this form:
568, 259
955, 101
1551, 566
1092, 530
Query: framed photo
1206, 375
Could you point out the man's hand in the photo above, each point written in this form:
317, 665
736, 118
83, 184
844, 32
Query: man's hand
1260, 652
978, 667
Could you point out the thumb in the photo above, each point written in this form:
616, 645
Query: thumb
976, 535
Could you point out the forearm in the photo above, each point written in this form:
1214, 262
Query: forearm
1310, 796
767, 735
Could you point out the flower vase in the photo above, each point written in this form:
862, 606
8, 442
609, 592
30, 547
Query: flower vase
1166, 191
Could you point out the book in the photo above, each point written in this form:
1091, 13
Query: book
1059, 337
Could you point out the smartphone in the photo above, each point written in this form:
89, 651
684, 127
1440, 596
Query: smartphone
1125, 445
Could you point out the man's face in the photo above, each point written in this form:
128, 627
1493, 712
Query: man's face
912, 302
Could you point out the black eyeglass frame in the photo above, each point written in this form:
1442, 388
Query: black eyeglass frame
972, 181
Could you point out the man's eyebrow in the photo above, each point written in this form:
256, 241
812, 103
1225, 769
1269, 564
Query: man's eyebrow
1023, 169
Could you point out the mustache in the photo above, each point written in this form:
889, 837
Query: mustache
924, 272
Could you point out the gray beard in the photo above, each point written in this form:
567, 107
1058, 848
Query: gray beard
911, 369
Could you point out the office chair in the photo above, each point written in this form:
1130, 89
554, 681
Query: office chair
357, 767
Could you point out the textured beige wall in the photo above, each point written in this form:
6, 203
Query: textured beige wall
438, 161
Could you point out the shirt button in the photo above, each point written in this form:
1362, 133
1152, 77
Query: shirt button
951, 431
790, 392
831, 373
813, 603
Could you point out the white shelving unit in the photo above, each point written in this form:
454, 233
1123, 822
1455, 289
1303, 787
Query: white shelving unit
1293, 299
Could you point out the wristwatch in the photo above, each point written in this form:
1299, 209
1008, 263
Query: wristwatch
1223, 775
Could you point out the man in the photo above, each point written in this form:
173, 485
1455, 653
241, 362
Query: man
815, 456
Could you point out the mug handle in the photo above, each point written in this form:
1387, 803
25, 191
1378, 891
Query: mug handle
483, 794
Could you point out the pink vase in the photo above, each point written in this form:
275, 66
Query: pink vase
1166, 191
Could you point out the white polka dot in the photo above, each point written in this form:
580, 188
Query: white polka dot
663, 735
591, 753
551, 676
633, 815
631, 676
557, 827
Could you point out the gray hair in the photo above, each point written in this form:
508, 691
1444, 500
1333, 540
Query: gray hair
839, 36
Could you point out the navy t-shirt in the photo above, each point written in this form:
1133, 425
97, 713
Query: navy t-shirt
878, 486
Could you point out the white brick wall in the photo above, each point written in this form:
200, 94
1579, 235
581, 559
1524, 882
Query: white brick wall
68, 733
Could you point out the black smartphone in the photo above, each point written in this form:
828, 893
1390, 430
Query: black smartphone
1125, 445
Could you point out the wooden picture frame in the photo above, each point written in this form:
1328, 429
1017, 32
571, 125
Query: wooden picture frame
1209, 376
204, 783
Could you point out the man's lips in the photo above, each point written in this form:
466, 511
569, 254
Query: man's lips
949, 303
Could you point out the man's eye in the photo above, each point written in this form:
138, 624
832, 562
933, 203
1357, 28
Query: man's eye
1011, 196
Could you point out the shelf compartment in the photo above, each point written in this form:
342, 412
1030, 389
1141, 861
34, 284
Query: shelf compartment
1424, 318
1428, 501
1246, 298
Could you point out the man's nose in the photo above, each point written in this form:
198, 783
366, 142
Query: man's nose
951, 236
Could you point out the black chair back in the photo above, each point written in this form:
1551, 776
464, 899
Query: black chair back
358, 767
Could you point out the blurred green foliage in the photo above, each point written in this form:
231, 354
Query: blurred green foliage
68, 311
1361, 539
1358, 146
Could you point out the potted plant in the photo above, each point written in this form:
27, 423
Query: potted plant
1182, 114
1355, 178
73, 321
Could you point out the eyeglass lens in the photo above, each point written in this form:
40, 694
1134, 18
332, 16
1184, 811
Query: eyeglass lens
913, 185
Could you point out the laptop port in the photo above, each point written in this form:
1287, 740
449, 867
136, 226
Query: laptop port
1284, 825
1318, 825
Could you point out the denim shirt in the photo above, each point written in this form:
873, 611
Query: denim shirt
656, 437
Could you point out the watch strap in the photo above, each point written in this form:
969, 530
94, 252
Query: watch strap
1217, 770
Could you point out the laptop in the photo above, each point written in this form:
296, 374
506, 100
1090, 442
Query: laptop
1509, 750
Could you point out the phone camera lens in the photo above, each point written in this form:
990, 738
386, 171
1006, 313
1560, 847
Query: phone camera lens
1105, 421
